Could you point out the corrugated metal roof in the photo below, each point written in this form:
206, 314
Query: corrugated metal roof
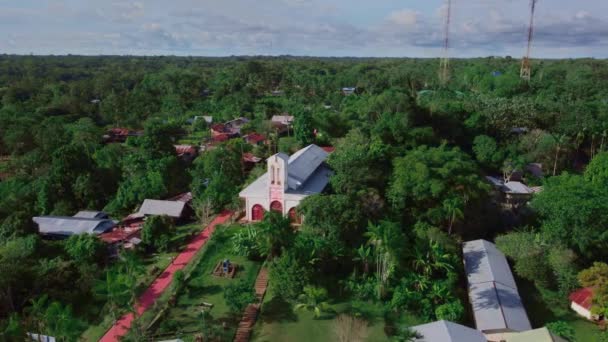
91, 214
492, 289
67, 225
484, 263
303, 163
536, 335
306, 174
446, 331
517, 188
158, 207
582, 297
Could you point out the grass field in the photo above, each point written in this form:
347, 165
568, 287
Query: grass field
279, 322
184, 318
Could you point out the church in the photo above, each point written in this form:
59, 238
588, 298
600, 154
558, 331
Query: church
288, 180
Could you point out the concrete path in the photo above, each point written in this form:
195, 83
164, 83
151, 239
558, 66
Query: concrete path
160, 284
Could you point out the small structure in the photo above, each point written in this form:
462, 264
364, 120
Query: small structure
277, 93
496, 304
121, 237
185, 197
234, 126
61, 227
92, 214
287, 182
283, 119
186, 153
535, 169
174, 209
255, 139
347, 91
536, 335
250, 161
119, 134
511, 193
581, 302
225, 268
446, 331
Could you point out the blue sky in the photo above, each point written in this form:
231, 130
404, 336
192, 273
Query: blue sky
410, 28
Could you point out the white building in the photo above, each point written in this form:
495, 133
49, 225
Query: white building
287, 182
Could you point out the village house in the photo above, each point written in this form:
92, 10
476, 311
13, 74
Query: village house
347, 91
495, 301
288, 181
511, 194
581, 302
255, 139
446, 331
120, 135
186, 153
61, 227
283, 119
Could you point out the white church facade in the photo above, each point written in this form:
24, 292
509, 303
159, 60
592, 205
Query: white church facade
288, 180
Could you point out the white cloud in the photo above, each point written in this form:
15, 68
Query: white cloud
404, 17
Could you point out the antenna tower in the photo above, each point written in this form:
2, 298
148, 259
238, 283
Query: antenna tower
444, 72
526, 70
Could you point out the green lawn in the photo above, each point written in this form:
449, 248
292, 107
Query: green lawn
279, 322
184, 318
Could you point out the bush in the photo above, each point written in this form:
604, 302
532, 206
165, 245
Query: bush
157, 232
287, 277
562, 329
238, 295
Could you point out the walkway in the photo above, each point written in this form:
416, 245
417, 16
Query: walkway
147, 299
243, 332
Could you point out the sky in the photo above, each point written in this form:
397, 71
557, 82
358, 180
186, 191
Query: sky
374, 28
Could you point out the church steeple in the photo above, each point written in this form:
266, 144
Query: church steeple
277, 171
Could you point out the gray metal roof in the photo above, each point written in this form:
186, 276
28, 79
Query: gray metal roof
492, 289
484, 263
446, 331
159, 207
497, 307
306, 174
67, 225
303, 164
91, 214
517, 188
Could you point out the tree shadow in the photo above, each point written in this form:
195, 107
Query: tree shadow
278, 310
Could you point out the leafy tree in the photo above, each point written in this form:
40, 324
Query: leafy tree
274, 233
313, 299
84, 248
596, 276
487, 151
597, 171
157, 232
573, 214
287, 277
238, 295
303, 128
115, 290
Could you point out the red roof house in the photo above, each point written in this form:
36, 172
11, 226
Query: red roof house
581, 302
186, 152
255, 138
328, 149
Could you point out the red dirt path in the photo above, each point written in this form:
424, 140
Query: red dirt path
147, 299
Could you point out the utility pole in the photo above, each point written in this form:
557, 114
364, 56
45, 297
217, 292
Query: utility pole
526, 69
444, 72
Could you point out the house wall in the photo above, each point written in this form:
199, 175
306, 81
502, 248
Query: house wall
581, 310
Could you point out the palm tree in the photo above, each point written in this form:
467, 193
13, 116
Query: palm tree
364, 255
275, 232
432, 259
115, 289
313, 299
453, 209
386, 239
61, 322
36, 314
